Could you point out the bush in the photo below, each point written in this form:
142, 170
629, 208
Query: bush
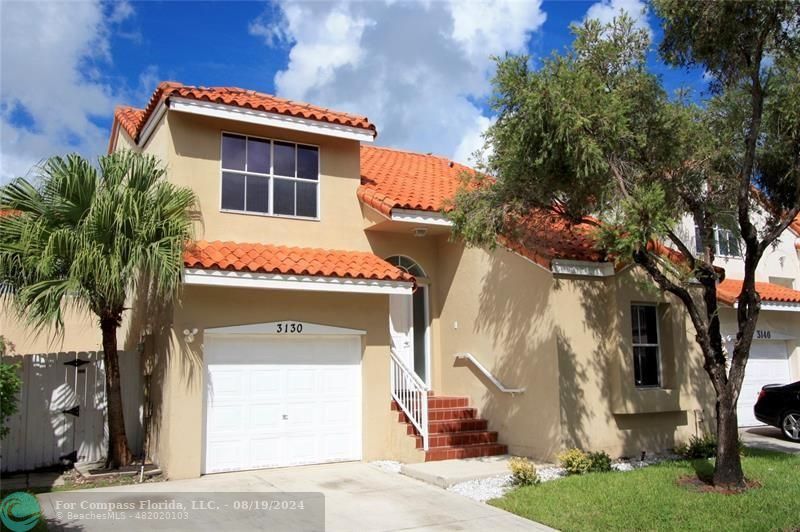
523, 472
704, 446
10, 384
575, 462
599, 462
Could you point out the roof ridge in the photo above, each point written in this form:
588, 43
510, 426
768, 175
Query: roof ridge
410, 152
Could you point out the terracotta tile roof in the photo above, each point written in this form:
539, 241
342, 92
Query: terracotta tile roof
234, 96
129, 119
544, 236
728, 292
405, 180
263, 258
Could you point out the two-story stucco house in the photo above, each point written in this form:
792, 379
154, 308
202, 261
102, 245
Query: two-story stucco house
327, 314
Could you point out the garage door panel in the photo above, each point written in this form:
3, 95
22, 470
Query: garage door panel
768, 364
276, 401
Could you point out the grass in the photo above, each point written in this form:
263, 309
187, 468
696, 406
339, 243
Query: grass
651, 499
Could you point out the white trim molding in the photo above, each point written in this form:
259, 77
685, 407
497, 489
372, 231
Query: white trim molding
286, 328
582, 267
151, 124
263, 118
275, 281
420, 217
777, 306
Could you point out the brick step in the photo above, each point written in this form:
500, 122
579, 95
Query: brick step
451, 439
465, 451
440, 401
453, 425
444, 414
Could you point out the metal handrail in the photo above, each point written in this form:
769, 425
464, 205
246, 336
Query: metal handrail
487, 374
411, 394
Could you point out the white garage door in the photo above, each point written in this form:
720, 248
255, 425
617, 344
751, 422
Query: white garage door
768, 364
276, 401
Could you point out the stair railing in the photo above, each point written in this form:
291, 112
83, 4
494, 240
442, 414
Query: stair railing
487, 374
411, 394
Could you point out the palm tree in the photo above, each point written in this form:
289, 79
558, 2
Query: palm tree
87, 237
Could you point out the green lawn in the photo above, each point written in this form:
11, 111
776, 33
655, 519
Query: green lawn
650, 499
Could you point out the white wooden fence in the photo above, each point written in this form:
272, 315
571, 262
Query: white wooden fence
61, 410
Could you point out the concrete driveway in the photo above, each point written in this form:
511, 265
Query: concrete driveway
358, 497
769, 438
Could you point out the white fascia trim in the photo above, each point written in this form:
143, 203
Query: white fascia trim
420, 217
263, 118
199, 276
778, 306
151, 124
582, 267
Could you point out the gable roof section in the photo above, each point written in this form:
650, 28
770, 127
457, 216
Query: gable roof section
264, 258
133, 120
395, 179
728, 292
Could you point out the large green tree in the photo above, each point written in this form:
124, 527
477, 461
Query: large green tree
593, 136
88, 238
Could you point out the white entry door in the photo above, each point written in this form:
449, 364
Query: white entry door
277, 401
768, 364
401, 324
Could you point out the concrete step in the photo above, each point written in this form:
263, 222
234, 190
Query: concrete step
465, 451
450, 439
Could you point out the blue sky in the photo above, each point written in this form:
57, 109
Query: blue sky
419, 70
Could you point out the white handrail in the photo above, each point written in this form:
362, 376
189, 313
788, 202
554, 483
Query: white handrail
411, 394
497, 383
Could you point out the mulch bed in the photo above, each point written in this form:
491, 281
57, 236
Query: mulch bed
693, 483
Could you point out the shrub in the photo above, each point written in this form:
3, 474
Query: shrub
10, 384
704, 446
599, 462
523, 472
575, 461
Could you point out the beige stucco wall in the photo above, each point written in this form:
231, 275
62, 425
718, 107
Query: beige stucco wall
81, 333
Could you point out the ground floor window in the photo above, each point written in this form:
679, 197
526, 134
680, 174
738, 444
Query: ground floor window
646, 349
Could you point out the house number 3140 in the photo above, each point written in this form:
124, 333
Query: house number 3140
289, 328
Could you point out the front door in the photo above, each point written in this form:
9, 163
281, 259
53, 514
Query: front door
408, 327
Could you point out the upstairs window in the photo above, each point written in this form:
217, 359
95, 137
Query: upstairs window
646, 347
269, 177
726, 242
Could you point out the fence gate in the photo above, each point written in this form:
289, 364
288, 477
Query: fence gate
61, 409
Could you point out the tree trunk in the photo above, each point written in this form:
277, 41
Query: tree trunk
119, 454
728, 467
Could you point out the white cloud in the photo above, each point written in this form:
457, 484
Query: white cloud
49, 76
606, 10
416, 69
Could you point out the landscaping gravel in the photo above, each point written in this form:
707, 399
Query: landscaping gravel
495, 487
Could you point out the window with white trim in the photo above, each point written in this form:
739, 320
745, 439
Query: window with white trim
646, 348
270, 177
726, 242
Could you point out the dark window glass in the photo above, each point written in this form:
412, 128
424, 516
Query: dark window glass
307, 162
284, 159
732, 243
644, 323
698, 240
645, 366
257, 193
283, 201
258, 155
233, 150
232, 191
307, 199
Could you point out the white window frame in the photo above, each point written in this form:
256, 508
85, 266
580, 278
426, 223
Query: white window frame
271, 176
657, 345
717, 232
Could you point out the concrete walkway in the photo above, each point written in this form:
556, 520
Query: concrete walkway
769, 438
358, 496
445, 473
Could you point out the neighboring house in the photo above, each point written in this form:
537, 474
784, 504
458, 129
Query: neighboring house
324, 282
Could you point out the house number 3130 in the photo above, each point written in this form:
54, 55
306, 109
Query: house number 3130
289, 328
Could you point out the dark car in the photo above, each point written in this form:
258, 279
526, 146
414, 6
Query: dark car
779, 406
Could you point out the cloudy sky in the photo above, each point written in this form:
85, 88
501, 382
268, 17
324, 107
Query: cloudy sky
420, 70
